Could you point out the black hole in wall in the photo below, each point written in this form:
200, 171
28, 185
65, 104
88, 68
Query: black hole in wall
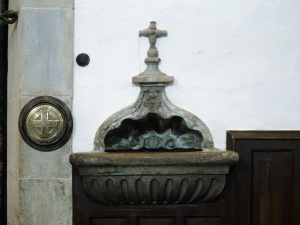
153, 133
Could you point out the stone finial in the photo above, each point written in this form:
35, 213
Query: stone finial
153, 122
152, 33
152, 74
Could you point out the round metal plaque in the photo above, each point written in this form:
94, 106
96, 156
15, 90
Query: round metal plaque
45, 123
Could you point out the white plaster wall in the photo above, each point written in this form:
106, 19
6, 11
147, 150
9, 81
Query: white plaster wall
236, 63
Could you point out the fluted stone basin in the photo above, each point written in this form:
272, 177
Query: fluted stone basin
154, 177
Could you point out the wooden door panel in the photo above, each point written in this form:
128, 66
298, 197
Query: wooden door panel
202, 221
272, 177
266, 182
156, 221
109, 221
264, 194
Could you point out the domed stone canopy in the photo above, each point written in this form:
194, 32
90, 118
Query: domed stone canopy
152, 100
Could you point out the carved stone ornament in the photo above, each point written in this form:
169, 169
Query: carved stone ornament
154, 177
45, 123
153, 152
167, 120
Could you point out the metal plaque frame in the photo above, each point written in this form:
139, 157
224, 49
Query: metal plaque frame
60, 109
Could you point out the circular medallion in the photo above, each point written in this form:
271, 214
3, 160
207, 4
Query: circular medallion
45, 123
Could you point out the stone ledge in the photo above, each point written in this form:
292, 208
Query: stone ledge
153, 158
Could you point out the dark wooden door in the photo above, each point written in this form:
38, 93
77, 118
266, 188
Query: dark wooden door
262, 189
267, 177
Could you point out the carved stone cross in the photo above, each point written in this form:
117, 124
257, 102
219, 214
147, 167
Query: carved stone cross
153, 33
152, 75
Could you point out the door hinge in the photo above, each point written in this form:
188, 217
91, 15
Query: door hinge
9, 17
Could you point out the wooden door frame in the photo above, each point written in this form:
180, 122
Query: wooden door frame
233, 135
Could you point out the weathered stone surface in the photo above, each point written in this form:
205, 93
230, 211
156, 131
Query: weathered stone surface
199, 158
152, 99
154, 177
38, 164
159, 189
66, 99
144, 78
40, 56
46, 3
13, 159
13, 56
45, 52
45, 201
153, 133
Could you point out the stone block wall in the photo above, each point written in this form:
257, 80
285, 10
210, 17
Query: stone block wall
40, 60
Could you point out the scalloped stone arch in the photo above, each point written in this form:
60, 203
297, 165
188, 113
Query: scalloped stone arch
152, 100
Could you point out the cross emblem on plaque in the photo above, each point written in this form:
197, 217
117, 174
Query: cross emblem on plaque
45, 126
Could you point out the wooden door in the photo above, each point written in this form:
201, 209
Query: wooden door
267, 177
263, 188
